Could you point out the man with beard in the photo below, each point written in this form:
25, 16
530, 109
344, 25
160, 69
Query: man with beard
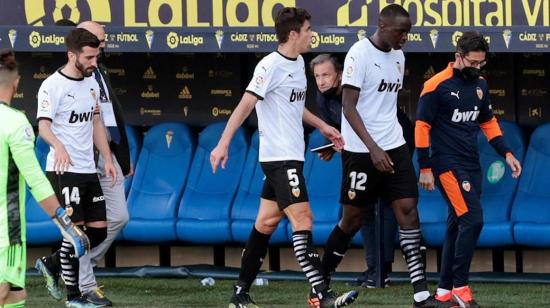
69, 121
115, 198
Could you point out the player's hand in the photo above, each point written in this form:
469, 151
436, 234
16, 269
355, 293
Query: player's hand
327, 154
381, 160
514, 164
131, 171
426, 180
62, 160
333, 135
110, 170
71, 233
218, 155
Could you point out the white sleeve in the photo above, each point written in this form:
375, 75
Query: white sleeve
262, 81
47, 103
354, 68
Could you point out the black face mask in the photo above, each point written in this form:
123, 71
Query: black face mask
471, 73
330, 92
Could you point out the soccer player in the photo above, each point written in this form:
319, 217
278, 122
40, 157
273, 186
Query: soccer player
278, 92
376, 160
18, 165
327, 71
115, 198
453, 106
69, 121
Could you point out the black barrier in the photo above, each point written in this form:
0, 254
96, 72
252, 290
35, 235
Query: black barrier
230, 40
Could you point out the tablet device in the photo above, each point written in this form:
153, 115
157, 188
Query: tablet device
321, 148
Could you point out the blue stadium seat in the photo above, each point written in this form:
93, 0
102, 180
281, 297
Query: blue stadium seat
204, 210
498, 187
134, 143
432, 211
161, 173
245, 207
40, 228
531, 208
323, 180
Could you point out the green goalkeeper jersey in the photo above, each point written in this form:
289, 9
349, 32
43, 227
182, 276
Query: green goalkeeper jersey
17, 163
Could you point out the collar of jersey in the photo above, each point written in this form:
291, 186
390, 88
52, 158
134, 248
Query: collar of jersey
70, 78
288, 58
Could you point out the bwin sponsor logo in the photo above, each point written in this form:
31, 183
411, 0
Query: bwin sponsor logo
297, 96
389, 86
465, 116
81, 117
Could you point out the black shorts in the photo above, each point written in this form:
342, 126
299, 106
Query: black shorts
83, 192
284, 182
363, 184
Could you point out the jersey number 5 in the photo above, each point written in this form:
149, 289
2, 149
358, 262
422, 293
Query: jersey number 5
293, 179
71, 195
358, 180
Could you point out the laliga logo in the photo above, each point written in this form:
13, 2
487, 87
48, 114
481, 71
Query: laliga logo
455, 37
315, 40
172, 40
34, 39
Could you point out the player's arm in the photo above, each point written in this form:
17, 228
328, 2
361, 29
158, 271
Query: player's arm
493, 133
328, 131
102, 145
46, 110
220, 153
62, 158
21, 144
425, 115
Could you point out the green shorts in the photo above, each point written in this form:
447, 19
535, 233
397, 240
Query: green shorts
13, 262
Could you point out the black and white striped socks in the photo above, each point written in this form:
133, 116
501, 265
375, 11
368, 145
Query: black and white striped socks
309, 260
69, 269
410, 241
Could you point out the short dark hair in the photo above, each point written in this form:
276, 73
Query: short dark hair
8, 67
7, 60
79, 38
289, 19
393, 10
324, 57
471, 41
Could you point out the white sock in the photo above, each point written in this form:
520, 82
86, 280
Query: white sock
421, 296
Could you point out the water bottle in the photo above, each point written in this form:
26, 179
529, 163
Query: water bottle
208, 281
261, 282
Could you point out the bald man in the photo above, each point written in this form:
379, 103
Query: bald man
115, 199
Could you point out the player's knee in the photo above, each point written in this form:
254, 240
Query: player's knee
351, 224
266, 227
96, 235
304, 222
118, 222
4, 292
